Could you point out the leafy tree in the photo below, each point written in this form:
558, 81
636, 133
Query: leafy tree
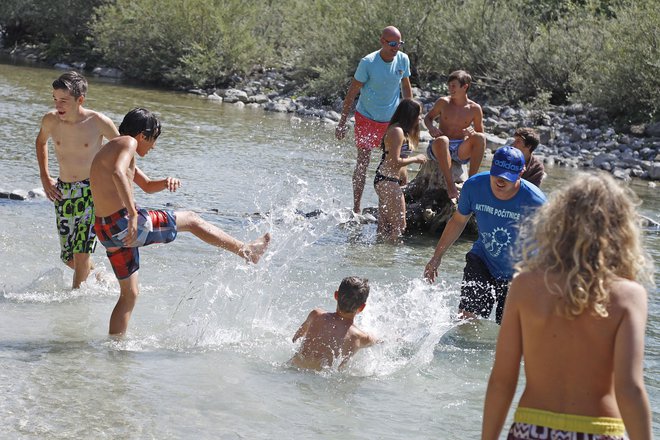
178, 42
64, 25
624, 76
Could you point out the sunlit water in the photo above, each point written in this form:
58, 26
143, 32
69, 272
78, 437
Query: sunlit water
206, 352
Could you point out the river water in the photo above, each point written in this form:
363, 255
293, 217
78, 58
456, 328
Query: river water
206, 351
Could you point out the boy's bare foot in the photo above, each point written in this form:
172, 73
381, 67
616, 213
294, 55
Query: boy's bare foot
253, 251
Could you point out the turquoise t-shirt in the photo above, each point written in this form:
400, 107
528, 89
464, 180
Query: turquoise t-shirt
498, 220
380, 93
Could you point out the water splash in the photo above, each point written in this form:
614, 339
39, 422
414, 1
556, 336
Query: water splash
54, 286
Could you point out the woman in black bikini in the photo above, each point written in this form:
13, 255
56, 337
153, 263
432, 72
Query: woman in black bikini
400, 139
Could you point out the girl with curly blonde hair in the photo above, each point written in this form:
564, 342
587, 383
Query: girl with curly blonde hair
576, 312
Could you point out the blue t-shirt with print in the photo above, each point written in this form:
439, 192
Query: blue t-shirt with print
497, 220
380, 93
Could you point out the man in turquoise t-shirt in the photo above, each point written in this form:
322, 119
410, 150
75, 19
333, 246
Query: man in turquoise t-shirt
380, 78
500, 200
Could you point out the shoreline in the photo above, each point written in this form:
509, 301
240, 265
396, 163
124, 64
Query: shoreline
572, 136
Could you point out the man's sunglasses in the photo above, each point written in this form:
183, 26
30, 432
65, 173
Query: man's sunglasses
395, 43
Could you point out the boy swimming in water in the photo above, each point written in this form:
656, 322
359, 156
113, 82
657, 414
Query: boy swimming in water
122, 227
330, 337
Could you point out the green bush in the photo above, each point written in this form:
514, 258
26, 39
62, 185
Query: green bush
329, 37
601, 51
178, 43
624, 76
64, 25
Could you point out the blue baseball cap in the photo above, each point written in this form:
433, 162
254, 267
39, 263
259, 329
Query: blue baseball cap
508, 162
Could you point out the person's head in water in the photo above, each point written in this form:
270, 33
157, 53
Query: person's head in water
406, 116
352, 294
140, 121
588, 232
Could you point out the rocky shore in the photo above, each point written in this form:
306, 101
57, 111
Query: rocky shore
576, 135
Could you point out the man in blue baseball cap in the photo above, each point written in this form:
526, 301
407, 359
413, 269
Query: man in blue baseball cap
499, 199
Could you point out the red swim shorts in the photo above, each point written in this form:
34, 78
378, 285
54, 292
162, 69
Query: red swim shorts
368, 133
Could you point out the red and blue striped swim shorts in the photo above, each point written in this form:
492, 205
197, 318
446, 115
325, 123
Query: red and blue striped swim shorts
154, 226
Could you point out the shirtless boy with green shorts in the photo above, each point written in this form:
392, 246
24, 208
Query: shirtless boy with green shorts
77, 135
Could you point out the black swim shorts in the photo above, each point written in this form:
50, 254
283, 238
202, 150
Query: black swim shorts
480, 290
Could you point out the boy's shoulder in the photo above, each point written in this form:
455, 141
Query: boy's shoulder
317, 312
473, 105
98, 116
441, 102
50, 118
360, 338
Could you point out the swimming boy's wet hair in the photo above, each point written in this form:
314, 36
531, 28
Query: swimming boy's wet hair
140, 120
72, 81
406, 116
352, 293
461, 76
529, 136
601, 244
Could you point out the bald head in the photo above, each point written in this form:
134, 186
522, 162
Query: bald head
390, 32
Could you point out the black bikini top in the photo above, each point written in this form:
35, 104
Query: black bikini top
405, 148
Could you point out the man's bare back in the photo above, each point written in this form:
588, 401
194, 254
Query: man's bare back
328, 337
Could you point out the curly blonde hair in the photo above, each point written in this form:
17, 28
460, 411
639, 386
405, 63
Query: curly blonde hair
589, 232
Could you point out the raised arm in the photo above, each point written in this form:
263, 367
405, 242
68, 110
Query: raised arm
629, 387
41, 145
504, 375
151, 186
453, 230
353, 90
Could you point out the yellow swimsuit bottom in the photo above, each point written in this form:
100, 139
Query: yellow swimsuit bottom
568, 422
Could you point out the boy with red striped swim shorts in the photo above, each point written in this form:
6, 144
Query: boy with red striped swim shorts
122, 227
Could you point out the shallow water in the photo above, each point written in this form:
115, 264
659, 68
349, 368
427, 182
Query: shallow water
209, 339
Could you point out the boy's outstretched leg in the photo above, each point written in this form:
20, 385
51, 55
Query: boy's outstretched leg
211, 234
